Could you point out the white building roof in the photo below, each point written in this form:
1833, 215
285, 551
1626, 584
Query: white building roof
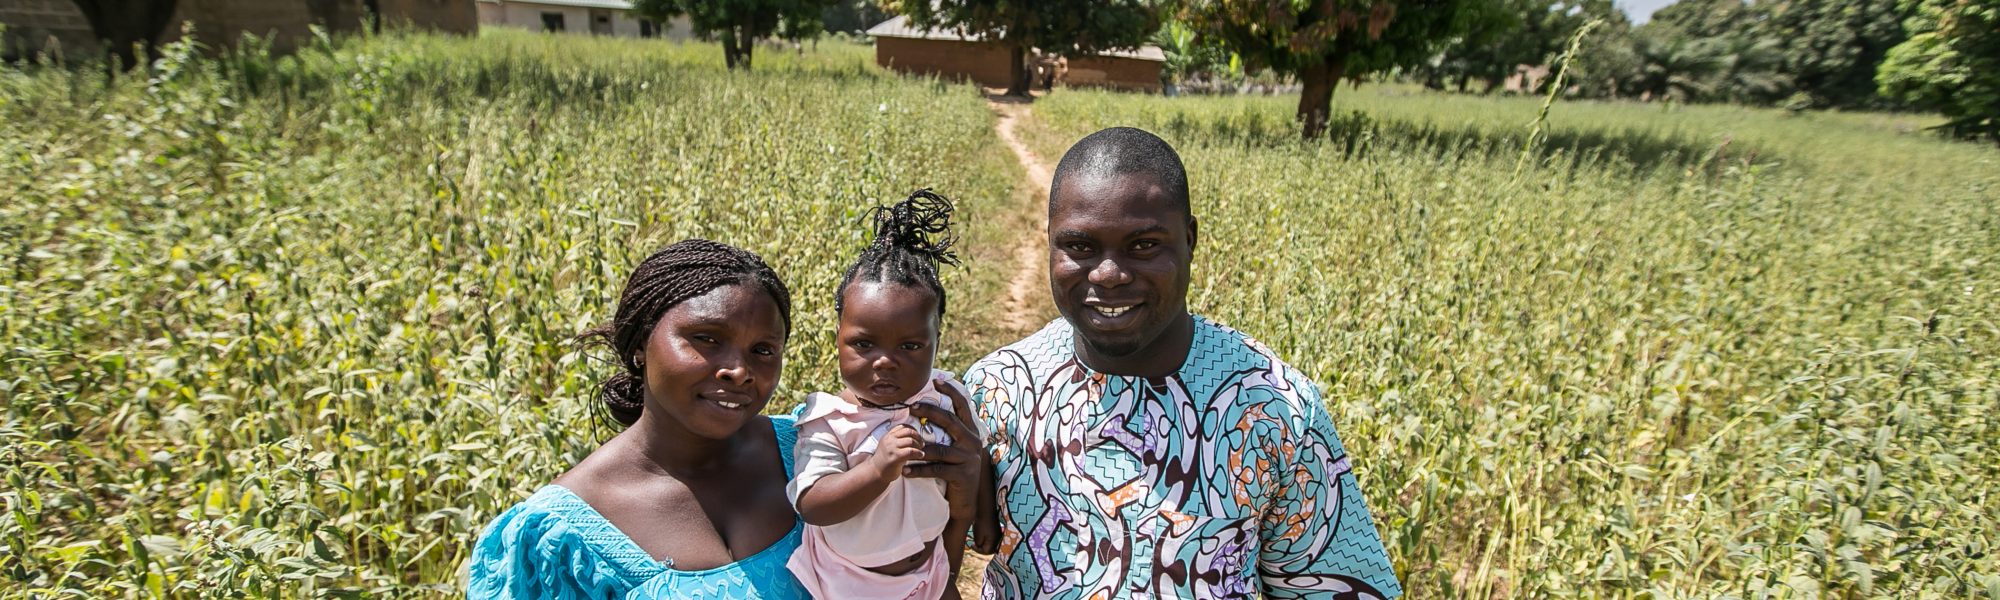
900, 27
1152, 53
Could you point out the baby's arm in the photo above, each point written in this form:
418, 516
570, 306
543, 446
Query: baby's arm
838, 497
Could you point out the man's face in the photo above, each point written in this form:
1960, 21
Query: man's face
1119, 253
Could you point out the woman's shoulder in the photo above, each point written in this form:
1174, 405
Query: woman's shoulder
549, 545
554, 515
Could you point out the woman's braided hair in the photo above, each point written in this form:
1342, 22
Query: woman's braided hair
687, 269
912, 238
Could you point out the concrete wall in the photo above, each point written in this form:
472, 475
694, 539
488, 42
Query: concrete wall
981, 62
455, 16
528, 15
1114, 72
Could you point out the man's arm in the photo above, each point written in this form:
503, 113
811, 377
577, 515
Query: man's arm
1318, 538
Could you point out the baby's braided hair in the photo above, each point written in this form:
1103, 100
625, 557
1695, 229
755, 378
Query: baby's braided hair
687, 269
912, 238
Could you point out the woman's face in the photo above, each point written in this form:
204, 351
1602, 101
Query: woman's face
713, 361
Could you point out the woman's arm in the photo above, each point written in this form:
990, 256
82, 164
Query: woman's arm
838, 497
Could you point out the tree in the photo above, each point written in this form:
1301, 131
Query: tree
1749, 70
1674, 66
740, 23
1608, 65
1519, 32
1831, 48
1488, 50
1068, 27
1186, 56
1950, 64
122, 24
852, 16
1701, 19
1711, 51
1325, 41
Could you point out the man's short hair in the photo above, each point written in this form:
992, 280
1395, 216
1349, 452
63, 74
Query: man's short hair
1123, 151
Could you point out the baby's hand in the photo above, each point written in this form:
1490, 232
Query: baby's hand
898, 447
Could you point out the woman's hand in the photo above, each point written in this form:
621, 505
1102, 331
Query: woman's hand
962, 464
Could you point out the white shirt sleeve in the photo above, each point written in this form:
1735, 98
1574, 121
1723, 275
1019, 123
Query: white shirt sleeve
816, 455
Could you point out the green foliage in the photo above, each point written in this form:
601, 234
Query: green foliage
852, 16
1066, 27
300, 327
1951, 64
738, 24
1702, 19
1831, 48
1188, 56
1805, 53
1709, 353
1361, 38
1514, 34
1608, 62
1324, 42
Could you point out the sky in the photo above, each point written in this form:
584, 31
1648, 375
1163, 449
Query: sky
1641, 10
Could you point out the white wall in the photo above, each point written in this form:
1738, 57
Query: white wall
528, 15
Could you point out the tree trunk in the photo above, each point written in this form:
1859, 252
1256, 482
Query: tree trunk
1493, 83
729, 48
121, 24
1463, 80
736, 48
1316, 99
1022, 77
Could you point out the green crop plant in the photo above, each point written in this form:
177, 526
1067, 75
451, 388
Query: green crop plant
299, 326
1707, 353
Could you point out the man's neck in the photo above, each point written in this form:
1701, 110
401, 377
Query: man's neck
1161, 358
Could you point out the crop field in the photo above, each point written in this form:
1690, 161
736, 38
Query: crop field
1711, 352
298, 327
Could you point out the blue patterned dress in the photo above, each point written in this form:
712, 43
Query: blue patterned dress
555, 546
1223, 480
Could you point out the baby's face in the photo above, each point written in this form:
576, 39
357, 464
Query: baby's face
887, 339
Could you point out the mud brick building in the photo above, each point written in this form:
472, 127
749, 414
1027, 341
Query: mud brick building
904, 48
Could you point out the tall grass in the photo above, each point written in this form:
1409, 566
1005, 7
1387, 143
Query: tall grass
300, 326
1707, 352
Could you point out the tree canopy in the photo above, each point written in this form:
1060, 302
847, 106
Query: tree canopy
1325, 42
1951, 64
738, 24
1518, 33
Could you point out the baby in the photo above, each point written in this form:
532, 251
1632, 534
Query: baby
870, 533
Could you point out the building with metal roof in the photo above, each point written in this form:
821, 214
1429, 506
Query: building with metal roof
905, 48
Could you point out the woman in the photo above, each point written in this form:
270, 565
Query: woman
689, 500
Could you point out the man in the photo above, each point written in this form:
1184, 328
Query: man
1142, 451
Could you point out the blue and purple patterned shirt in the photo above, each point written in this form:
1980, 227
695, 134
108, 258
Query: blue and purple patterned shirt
1223, 480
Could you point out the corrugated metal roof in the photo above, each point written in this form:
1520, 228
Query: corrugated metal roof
612, 4
900, 27
1152, 53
